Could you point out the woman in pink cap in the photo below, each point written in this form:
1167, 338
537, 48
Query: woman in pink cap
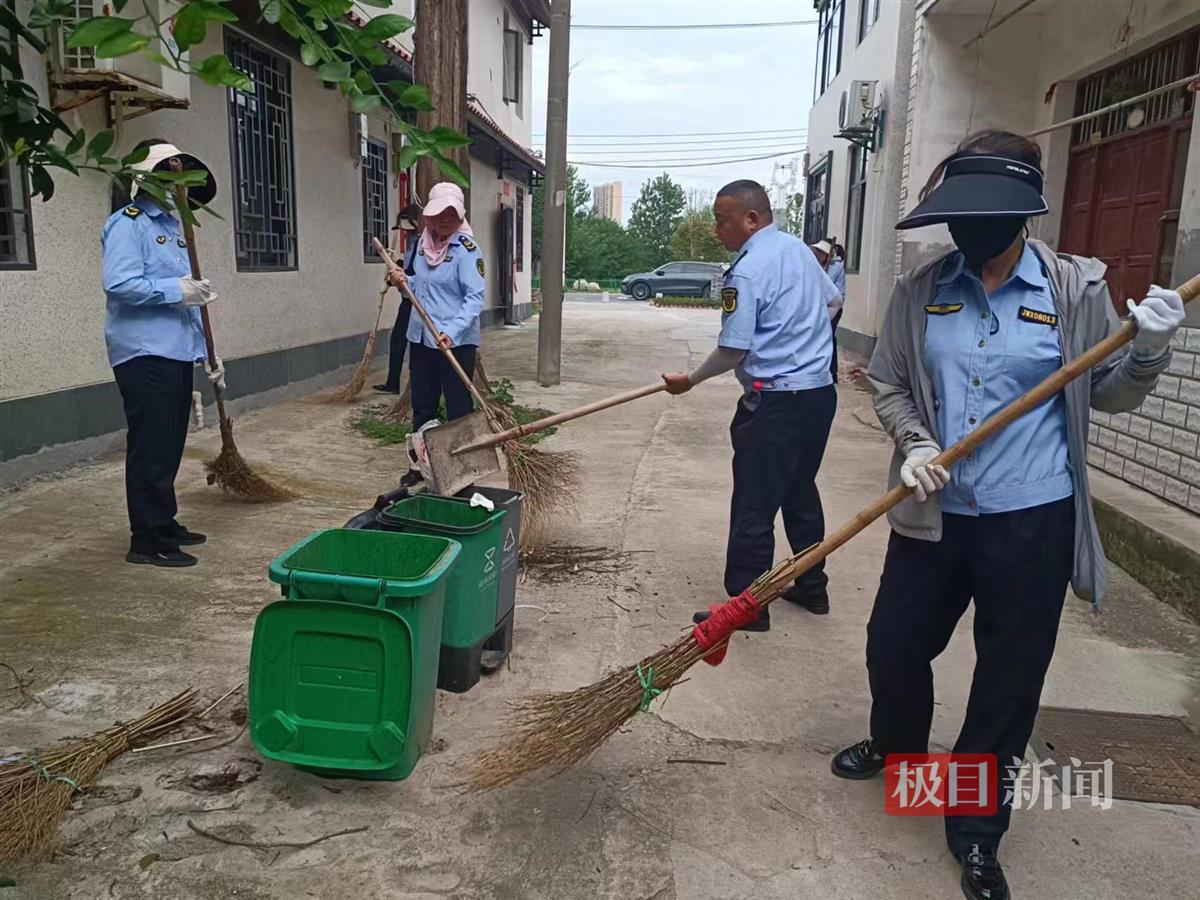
448, 279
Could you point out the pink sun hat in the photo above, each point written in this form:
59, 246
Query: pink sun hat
445, 195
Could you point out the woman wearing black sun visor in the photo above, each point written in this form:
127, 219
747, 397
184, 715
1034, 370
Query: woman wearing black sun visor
1012, 525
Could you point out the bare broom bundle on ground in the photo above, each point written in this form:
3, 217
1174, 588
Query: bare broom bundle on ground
358, 380
234, 476
36, 787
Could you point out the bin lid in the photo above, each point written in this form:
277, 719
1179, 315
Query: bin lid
331, 685
444, 515
410, 564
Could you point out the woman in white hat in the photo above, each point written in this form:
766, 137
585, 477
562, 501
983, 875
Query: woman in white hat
448, 279
1012, 525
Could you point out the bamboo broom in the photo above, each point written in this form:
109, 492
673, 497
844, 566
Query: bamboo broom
358, 380
228, 470
36, 787
554, 731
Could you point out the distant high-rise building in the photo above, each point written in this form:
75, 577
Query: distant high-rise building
607, 198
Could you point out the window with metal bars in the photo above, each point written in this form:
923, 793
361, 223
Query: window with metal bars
374, 193
79, 57
830, 16
520, 229
816, 200
16, 221
1155, 68
264, 171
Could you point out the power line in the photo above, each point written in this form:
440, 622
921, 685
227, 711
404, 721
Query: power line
681, 133
711, 25
651, 164
681, 152
731, 143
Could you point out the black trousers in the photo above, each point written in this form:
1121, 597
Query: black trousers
397, 345
1016, 566
157, 394
777, 450
433, 378
833, 366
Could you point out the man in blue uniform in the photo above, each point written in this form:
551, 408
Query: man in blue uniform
154, 336
775, 333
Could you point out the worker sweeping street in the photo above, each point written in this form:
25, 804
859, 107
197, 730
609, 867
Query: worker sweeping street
154, 336
832, 260
964, 336
448, 279
775, 333
408, 222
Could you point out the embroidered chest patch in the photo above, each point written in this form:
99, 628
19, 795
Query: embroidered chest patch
728, 299
943, 309
1025, 314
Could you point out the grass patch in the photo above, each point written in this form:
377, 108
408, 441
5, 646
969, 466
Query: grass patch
688, 302
502, 390
374, 424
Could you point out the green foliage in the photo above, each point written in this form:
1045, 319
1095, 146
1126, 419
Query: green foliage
373, 424
654, 217
795, 215
695, 239
600, 249
342, 53
502, 391
690, 302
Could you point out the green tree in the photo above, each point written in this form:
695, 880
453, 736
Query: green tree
601, 249
654, 217
342, 53
795, 215
579, 206
695, 239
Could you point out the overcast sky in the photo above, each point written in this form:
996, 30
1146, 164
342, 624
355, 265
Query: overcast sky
678, 82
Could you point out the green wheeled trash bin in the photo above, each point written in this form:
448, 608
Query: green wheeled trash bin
343, 672
499, 645
472, 589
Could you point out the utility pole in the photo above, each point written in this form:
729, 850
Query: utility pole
554, 221
440, 63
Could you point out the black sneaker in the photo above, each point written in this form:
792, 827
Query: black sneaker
763, 623
982, 877
859, 762
385, 389
411, 479
169, 559
815, 603
186, 538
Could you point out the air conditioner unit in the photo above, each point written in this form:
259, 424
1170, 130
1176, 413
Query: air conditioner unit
136, 77
857, 106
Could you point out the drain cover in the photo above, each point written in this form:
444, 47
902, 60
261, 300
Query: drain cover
1154, 758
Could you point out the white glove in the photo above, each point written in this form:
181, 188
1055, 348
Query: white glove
1158, 316
196, 292
923, 478
216, 374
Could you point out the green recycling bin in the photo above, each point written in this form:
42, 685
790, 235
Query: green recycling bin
343, 672
472, 589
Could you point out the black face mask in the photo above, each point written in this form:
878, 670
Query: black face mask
981, 239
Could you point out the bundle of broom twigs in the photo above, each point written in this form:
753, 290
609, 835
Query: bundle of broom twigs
358, 380
552, 732
36, 787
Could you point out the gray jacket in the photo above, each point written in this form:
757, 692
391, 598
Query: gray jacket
906, 404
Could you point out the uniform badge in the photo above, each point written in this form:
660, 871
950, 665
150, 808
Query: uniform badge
479, 266
1038, 317
466, 242
943, 309
728, 299
162, 238
132, 211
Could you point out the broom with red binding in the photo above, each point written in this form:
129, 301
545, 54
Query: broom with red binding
554, 731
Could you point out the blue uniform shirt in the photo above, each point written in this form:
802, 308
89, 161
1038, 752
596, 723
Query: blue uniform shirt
451, 292
144, 258
982, 353
837, 274
773, 307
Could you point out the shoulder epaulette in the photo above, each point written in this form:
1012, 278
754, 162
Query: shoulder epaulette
132, 211
467, 242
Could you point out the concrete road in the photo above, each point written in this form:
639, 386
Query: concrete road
96, 640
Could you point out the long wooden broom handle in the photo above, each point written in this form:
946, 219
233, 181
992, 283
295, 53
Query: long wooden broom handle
1052, 384
411, 297
189, 236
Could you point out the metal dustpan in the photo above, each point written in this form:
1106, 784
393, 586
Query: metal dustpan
453, 463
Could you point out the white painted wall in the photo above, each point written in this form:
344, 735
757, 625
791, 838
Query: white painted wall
485, 68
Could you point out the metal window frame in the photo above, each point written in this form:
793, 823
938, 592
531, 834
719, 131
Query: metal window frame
15, 173
825, 17
514, 35
519, 230
865, 22
375, 188
232, 37
821, 170
858, 171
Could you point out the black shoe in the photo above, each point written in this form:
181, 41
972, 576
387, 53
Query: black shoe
763, 622
385, 389
411, 479
186, 538
982, 877
859, 762
815, 603
169, 559
492, 661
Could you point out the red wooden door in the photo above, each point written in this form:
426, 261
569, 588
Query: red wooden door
1116, 195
